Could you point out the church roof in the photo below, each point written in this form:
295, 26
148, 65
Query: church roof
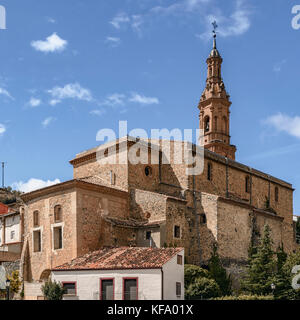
122, 258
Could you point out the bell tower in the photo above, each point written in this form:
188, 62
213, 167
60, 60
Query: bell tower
214, 107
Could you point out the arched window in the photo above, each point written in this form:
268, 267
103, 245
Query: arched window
148, 171
210, 71
57, 213
276, 194
209, 171
247, 184
36, 218
216, 124
225, 125
206, 124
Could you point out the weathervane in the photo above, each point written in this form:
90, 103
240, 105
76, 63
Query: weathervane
215, 28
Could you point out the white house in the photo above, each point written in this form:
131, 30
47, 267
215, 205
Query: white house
126, 273
10, 233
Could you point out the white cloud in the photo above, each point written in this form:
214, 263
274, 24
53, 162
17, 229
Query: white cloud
69, 91
51, 20
33, 184
278, 66
119, 19
4, 92
285, 123
51, 44
54, 102
115, 99
47, 121
114, 41
137, 21
98, 112
34, 102
236, 24
143, 100
181, 6
2, 129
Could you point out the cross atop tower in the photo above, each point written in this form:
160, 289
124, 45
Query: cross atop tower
215, 26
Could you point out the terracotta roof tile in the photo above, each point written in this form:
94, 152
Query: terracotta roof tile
122, 258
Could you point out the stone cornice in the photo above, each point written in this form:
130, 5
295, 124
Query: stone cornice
73, 184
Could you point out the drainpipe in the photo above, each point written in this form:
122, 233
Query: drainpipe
162, 283
227, 183
250, 169
196, 218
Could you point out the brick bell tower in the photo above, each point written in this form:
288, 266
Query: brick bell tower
214, 107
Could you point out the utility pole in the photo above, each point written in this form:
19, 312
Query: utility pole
3, 164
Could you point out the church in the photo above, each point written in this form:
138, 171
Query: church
158, 205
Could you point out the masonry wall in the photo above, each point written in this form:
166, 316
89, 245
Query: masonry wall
88, 282
103, 171
48, 258
91, 229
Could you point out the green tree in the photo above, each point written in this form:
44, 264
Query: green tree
203, 288
191, 273
261, 267
218, 273
52, 290
283, 289
15, 282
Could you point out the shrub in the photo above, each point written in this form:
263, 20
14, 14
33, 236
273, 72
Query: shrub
202, 288
52, 290
15, 282
192, 272
245, 297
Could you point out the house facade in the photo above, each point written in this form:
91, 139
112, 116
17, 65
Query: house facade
11, 230
124, 274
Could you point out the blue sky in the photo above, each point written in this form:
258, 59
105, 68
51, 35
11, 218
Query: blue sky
71, 68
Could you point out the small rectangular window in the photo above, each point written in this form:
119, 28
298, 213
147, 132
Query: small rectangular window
36, 220
177, 232
37, 247
57, 234
179, 259
130, 289
107, 289
178, 289
209, 172
69, 288
276, 194
247, 184
148, 235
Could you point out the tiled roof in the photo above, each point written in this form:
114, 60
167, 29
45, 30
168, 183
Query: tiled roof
122, 258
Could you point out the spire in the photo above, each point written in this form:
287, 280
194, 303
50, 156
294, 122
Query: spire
214, 106
215, 53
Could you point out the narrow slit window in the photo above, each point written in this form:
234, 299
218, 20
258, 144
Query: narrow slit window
57, 234
209, 172
37, 239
